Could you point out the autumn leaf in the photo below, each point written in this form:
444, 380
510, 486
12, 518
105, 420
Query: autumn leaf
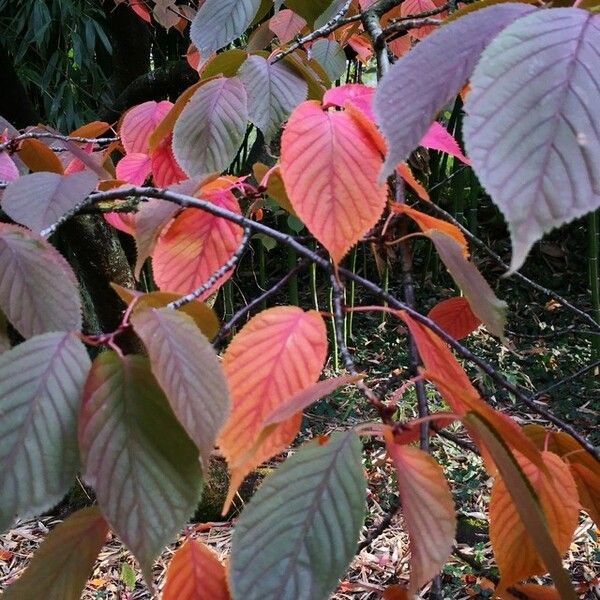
330, 165
278, 353
514, 550
195, 573
189, 372
139, 122
427, 223
197, 243
428, 511
137, 457
455, 317
486, 306
203, 315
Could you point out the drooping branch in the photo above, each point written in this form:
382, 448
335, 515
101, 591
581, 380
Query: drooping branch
378, 292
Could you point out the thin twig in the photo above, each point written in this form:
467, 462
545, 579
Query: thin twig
334, 23
566, 380
38, 135
385, 411
242, 312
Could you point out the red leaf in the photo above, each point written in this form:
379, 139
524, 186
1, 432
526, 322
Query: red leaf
279, 353
415, 7
124, 222
139, 122
428, 511
286, 25
330, 164
455, 317
139, 8
195, 573
196, 244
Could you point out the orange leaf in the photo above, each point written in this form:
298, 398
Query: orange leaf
514, 549
195, 573
428, 511
441, 364
584, 468
330, 166
278, 353
455, 317
90, 130
406, 174
533, 592
197, 243
38, 157
427, 223
588, 486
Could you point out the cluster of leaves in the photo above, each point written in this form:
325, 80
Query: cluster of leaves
141, 428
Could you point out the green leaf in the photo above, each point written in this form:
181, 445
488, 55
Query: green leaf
274, 90
330, 55
141, 463
41, 381
528, 127
127, 576
298, 534
188, 370
219, 22
211, 127
525, 501
38, 289
64, 561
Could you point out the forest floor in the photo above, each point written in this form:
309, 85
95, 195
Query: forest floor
535, 358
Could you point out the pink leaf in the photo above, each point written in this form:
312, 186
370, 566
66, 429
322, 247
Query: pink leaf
360, 96
134, 168
139, 122
438, 138
286, 25
124, 222
8, 168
